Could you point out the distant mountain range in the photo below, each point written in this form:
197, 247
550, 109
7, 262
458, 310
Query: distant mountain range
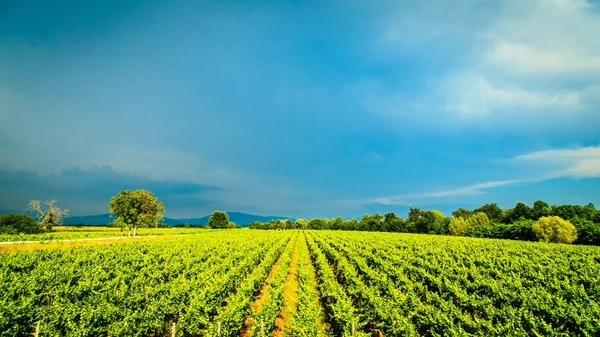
239, 218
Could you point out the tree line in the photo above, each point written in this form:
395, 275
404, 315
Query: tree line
130, 209
541, 221
133, 209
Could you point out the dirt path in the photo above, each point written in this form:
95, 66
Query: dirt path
18, 246
262, 297
283, 323
322, 328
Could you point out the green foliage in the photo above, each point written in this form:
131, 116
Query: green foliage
136, 208
350, 225
462, 213
441, 286
493, 212
588, 232
520, 230
554, 229
232, 225
317, 223
16, 223
218, 220
397, 284
431, 222
255, 225
137, 289
301, 224
392, 223
486, 221
371, 223
308, 321
458, 226
477, 222
336, 224
479, 219
540, 209
520, 211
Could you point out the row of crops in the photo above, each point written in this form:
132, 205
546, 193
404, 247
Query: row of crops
405, 285
138, 289
303, 283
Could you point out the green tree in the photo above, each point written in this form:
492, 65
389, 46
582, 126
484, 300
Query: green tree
301, 224
539, 210
521, 211
554, 229
493, 212
336, 224
414, 214
136, 208
318, 223
350, 225
462, 213
458, 226
438, 223
433, 221
256, 225
218, 220
393, 223
479, 220
570, 212
372, 222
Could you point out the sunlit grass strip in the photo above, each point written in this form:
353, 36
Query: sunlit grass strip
309, 318
283, 323
270, 300
239, 304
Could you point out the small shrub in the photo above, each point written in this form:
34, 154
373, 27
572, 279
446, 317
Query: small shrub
554, 229
458, 226
16, 223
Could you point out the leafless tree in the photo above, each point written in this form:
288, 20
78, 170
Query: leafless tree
48, 213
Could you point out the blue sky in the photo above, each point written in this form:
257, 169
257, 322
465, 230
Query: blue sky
302, 109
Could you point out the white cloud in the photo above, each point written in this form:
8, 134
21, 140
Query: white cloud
478, 95
461, 191
525, 58
581, 162
546, 38
538, 57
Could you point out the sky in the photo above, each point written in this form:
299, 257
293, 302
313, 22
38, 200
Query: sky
300, 108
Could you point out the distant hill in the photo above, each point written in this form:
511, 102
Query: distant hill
239, 218
100, 219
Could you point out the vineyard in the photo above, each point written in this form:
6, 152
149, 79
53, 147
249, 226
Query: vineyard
302, 283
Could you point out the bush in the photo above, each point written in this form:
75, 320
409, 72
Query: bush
476, 223
588, 233
479, 219
554, 229
520, 230
16, 223
458, 226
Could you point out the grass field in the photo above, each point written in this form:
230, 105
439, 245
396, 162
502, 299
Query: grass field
302, 283
73, 233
